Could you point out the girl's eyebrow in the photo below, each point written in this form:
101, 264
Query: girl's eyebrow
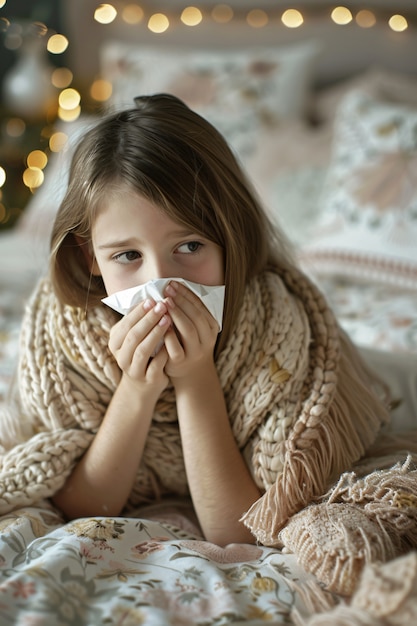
131, 243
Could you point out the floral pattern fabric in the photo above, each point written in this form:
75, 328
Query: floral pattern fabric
368, 222
133, 571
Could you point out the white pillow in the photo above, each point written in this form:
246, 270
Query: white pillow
239, 91
368, 226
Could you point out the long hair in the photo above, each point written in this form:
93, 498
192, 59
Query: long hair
173, 157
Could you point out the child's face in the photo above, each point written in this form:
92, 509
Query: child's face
134, 241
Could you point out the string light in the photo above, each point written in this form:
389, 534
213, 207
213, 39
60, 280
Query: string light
158, 23
222, 13
61, 77
101, 90
191, 16
57, 44
341, 16
132, 14
292, 18
58, 141
398, 23
365, 18
37, 158
105, 14
257, 18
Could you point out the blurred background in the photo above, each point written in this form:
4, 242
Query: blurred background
51, 63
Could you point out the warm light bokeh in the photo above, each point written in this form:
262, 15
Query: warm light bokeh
341, 16
61, 77
365, 19
105, 14
191, 16
57, 44
257, 18
292, 18
101, 90
37, 158
58, 141
33, 177
398, 23
222, 13
132, 14
158, 23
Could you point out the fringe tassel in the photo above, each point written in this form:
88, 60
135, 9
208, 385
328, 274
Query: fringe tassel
321, 446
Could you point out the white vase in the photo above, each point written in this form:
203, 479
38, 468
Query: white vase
27, 87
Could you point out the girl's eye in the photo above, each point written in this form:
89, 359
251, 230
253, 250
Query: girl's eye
190, 247
127, 257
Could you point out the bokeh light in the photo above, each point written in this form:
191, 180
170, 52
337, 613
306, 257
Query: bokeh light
69, 115
2, 176
341, 16
257, 18
57, 44
191, 16
398, 23
37, 158
158, 23
105, 14
132, 14
33, 177
292, 18
62, 77
69, 99
101, 90
15, 127
58, 141
365, 18
222, 13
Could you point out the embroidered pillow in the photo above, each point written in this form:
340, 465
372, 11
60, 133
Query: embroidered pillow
239, 91
368, 226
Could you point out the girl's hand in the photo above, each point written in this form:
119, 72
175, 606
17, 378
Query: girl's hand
191, 339
135, 341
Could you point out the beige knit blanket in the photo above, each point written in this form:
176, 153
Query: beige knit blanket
293, 387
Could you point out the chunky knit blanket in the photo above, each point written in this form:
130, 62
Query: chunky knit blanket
292, 383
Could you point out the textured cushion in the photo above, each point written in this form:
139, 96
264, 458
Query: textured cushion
335, 542
368, 226
239, 91
378, 82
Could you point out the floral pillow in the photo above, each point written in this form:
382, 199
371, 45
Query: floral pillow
239, 91
368, 225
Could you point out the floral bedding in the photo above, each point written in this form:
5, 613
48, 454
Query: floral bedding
137, 571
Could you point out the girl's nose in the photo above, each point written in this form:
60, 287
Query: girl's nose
157, 268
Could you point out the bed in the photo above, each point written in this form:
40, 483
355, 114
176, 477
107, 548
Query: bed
324, 119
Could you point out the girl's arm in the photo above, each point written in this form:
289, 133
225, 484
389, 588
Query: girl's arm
221, 486
102, 480
220, 483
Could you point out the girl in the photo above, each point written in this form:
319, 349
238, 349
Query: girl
251, 423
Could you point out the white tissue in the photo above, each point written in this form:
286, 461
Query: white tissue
123, 301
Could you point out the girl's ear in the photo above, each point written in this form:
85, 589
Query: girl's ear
86, 249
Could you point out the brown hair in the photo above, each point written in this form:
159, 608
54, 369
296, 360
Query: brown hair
179, 161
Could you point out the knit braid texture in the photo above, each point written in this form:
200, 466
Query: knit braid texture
297, 396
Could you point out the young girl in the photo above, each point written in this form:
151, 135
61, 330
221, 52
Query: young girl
250, 423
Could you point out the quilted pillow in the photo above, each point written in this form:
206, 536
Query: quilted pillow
239, 91
368, 226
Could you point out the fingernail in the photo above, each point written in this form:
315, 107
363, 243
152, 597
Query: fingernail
160, 307
164, 320
170, 289
147, 305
